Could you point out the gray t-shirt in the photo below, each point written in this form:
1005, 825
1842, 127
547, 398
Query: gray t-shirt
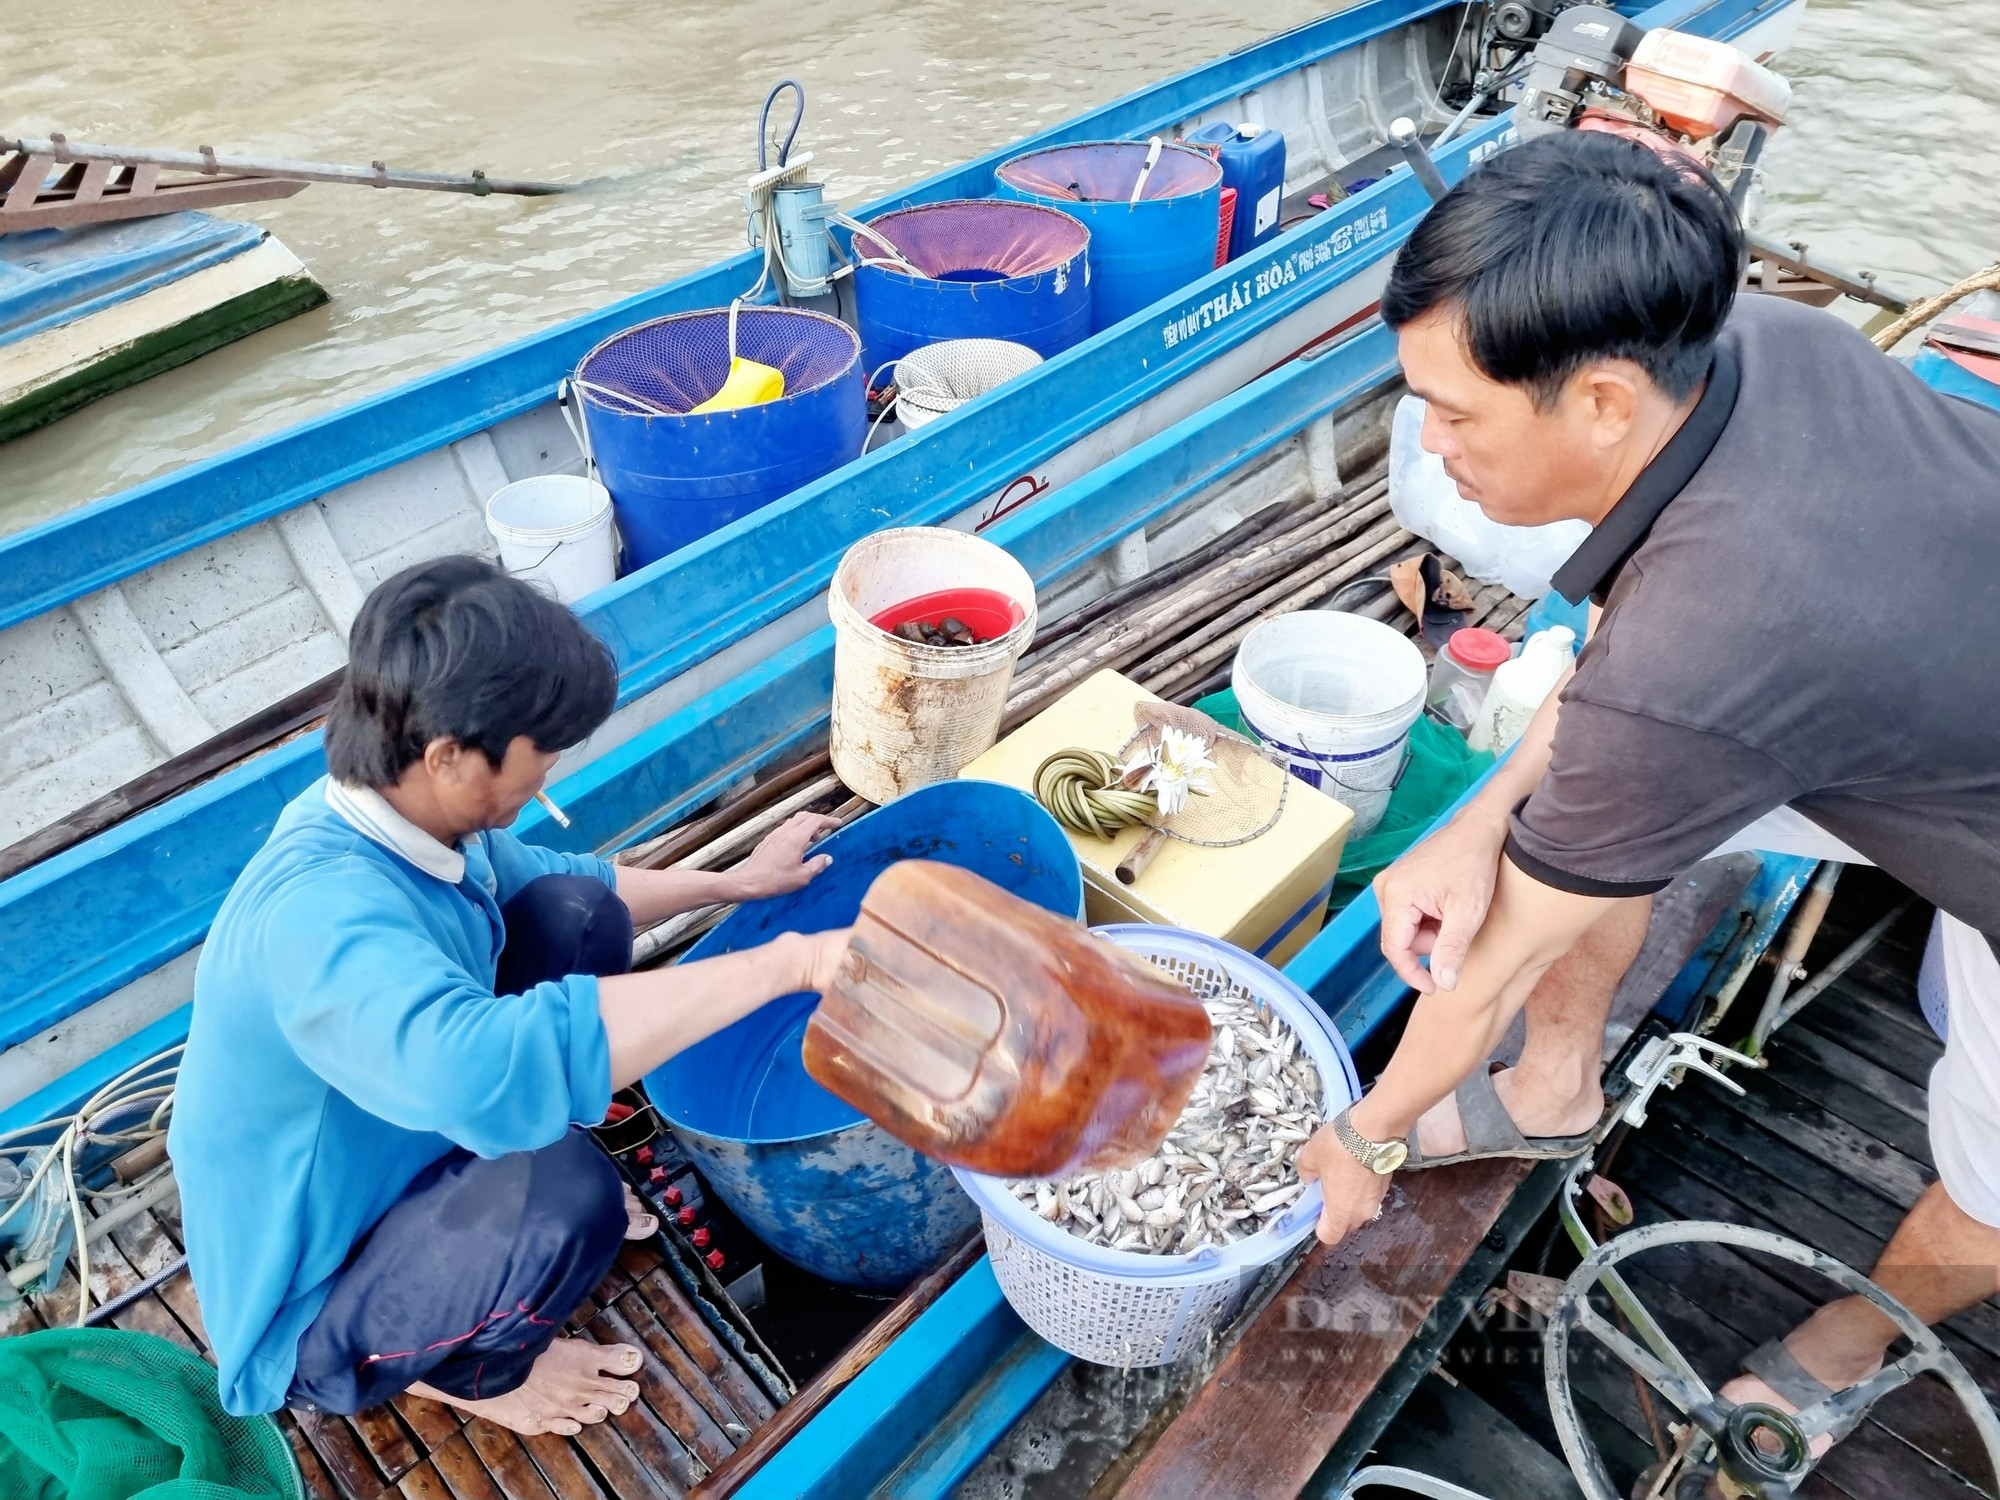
1802, 600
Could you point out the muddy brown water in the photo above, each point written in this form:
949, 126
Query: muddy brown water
1884, 164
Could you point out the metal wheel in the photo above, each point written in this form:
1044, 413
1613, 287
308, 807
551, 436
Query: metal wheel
1761, 1448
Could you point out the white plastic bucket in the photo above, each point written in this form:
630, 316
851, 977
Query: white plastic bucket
1336, 694
907, 714
555, 531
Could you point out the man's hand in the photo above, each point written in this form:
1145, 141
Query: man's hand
1353, 1193
1435, 897
778, 865
820, 955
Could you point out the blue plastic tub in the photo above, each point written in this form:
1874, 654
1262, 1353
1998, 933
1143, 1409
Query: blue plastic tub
991, 270
813, 1179
1139, 252
674, 476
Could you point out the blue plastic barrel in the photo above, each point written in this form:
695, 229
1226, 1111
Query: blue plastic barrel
675, 476
813, 1179
990, 270
1139, 252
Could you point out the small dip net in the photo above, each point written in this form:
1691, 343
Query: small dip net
673, 364
1107, 171
976, 239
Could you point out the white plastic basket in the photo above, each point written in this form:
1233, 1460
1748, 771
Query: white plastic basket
1116, 1307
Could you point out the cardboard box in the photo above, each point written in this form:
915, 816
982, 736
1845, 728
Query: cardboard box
1267, 896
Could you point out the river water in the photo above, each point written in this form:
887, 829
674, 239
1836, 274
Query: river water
1884, 164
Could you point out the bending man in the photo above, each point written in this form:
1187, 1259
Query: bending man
1780, 514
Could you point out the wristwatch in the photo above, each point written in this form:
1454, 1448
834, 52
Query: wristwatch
1379, 1157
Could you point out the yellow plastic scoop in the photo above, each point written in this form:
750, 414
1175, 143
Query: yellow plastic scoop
749, 384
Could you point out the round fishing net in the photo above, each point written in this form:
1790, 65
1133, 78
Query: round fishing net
671, 365
942, 377
977, 239
104, 1414
1107, 171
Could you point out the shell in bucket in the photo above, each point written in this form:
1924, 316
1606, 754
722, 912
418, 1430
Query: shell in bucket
906, 714
817, 1182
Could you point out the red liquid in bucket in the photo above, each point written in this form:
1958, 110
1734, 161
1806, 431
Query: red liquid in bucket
987, 613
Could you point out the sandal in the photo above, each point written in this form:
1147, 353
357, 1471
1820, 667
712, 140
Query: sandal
1775, 1365
1492, 1135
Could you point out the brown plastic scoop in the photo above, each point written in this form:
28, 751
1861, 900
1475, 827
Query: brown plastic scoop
993, 1035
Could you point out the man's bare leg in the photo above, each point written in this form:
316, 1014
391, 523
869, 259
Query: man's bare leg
573, 1383
1556, 1088
1940, 1261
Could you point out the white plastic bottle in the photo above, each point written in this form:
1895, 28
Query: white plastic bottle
1519, 687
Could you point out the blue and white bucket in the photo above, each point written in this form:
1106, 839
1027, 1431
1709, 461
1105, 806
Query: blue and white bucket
1336, 694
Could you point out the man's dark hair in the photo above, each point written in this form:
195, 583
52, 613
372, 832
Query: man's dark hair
1573, 248
456, 649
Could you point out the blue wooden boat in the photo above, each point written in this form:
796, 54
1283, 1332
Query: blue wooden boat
721, 646
85, 312
726, 665
141, 630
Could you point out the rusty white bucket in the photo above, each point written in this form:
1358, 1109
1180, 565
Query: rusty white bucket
907, 714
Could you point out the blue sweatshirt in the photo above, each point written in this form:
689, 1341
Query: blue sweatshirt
345, 1036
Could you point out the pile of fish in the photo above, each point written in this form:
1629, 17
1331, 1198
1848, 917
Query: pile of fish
1227, 1167
946, 632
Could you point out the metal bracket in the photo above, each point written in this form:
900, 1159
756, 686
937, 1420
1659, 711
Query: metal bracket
1665, 1060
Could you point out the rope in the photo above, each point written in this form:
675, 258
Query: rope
1930, 307
1081, 788
150, 1082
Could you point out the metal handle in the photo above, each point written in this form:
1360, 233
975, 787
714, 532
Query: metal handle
1404, 136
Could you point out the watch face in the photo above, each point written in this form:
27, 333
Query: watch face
1391, 1156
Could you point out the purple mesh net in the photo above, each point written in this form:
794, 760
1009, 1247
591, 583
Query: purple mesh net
1107, 171
673, 364
978, 234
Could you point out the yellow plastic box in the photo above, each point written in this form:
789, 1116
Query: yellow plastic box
1267, 896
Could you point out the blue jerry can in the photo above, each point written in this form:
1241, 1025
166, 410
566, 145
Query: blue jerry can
1253, 162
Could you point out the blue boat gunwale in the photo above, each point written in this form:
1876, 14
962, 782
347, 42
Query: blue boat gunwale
687, 608
74, 942
67, 943
96, 545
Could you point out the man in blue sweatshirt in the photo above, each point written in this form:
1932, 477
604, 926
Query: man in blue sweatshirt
403, 1017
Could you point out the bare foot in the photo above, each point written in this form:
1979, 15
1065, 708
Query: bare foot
640, 1223
1441, 1133
573, 1383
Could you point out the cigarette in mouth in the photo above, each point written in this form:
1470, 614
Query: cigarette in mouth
555, 812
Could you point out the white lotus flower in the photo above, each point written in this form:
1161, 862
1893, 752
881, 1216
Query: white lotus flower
1169, 768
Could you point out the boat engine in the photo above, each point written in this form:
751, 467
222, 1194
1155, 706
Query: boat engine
1524, 20
1679, 95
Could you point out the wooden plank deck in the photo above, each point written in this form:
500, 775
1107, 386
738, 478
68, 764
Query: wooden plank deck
1827, 1146
698, 1403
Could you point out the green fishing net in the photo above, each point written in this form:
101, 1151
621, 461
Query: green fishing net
1440, 768
103, 1414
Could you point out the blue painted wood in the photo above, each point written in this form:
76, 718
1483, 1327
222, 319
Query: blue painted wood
1934, 369
80, 925
981, 1418
99, 544
864, 1432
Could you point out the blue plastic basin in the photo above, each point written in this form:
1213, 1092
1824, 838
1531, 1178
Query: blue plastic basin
820, 1184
